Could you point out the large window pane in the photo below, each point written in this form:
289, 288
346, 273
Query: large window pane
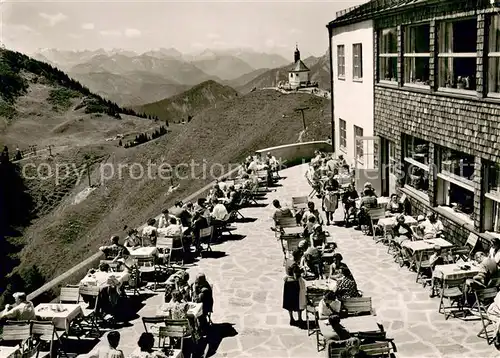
416, 149
457, 72
357, 61
457, 163
458, 36
494, 54
388, 42
343, 133
388, 69
417, 39
417, 178
417, 70
461, 200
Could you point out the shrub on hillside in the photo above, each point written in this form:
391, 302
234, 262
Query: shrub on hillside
61, 97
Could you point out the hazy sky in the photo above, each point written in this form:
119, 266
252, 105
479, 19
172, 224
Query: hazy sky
189, 26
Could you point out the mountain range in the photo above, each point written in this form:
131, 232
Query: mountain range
132, 79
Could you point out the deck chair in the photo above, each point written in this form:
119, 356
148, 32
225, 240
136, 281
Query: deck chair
69, 294
46, 332
484, 298
299, 202
206, 235
466, 251
263, 178
357, 306
177, 329
453, 291
283, 223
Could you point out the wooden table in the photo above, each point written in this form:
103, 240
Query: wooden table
101, 278
144, 252
60, 314
419, 247
453, 271
9, 352
358, 324
322, 285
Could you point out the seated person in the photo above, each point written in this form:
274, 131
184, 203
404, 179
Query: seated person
109, 351
487, 268
132, 240
311, 211
318, 237
198, 222
173, 229
349, 200
233, 197
312, 259
494, 252
394, 207
418, 231
337, 266
164, 218
338, 335
280, 212
310, 225
369, 186
219, 212
115, 250
494, 315
401, 231
352, 349
179, 281
21, 310
176, 308
149, 233
181, 213
145, 348
432, 227
435, 259
346, 285
329, 305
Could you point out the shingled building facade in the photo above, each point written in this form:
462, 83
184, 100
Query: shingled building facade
437, 107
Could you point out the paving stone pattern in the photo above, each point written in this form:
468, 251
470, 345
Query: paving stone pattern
248, 286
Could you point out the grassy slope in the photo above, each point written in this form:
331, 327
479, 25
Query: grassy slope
225, 134
190, 102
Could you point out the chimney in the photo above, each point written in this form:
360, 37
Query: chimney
296, 54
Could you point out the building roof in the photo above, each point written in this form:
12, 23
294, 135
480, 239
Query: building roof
370, 10
299, 66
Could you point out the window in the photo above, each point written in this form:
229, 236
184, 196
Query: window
457, 54
417, 54
357, 61
388, 55
455, 185
341, 61
494, 55
375, 154
492, 198
343, 133
416, 161
358, 132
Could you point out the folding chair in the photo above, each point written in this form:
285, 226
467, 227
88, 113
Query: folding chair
46, 332
91, 316
174, 329
453, 291
148, 266
466, 251
484, 298
379, 349
376, 214
313, 299
356, 306
152, 325
69, 294
206, 235
18, 332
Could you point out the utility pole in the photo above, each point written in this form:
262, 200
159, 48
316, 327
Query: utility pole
301, 110
49, 147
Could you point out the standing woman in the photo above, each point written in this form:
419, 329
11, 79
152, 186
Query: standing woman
330, 198
203, 293
294, 290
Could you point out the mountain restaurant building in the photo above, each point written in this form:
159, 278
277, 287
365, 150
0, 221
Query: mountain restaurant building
436, 68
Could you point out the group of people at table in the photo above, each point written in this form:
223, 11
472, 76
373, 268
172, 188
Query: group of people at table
325, 175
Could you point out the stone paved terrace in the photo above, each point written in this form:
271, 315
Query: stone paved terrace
248, 285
